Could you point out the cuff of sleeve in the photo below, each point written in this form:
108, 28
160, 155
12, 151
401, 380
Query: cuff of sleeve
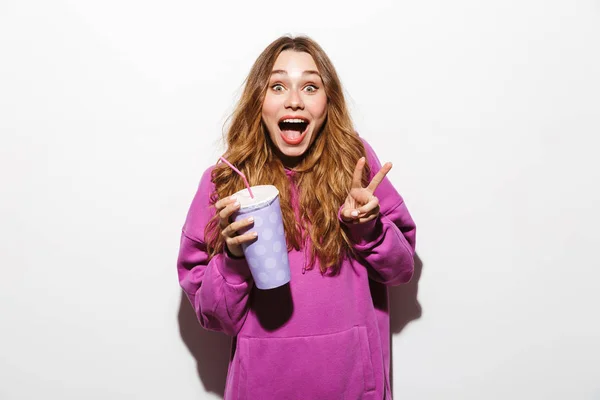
233, 270
362, 233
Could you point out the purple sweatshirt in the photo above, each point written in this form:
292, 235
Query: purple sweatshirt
320, 337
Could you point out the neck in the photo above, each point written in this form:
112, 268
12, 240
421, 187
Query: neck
288, 161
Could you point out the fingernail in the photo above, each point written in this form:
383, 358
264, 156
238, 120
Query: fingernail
354, 213
233, 197
251, 219
236, 204
254, 234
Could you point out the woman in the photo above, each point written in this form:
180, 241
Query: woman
325, 335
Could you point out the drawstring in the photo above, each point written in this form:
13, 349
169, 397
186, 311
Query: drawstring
304, 256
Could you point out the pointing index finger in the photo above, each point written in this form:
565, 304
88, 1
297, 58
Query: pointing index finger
378, 178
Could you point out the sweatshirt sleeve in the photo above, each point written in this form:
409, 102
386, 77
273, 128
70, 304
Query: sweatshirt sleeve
218, 288
386, 243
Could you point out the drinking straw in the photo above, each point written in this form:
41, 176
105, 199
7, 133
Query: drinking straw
240, 174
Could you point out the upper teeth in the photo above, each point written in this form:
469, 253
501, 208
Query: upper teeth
293, 120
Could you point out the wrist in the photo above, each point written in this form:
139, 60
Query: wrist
361, 233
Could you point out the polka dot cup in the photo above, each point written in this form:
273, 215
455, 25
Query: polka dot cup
267, 256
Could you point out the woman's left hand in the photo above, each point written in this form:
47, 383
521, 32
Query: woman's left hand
361, 205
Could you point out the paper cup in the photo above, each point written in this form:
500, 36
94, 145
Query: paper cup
267, 256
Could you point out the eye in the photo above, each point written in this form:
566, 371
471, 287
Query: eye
310, 88
278, 87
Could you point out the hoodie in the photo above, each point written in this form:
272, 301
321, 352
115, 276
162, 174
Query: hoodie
319, 337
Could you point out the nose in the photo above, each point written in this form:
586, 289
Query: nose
294, 100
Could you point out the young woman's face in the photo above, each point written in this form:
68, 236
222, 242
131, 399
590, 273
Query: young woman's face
295, 105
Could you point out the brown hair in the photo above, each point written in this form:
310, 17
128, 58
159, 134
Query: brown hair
324, 175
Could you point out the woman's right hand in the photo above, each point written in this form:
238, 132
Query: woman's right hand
229, 230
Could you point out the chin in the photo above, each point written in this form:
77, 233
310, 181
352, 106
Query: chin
292, 152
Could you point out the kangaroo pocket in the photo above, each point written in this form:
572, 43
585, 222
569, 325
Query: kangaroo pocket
320, 367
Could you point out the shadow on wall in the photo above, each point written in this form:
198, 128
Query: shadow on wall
404, 305
211, 350
404, 308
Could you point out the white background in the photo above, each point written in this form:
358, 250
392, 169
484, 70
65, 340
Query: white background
110, 112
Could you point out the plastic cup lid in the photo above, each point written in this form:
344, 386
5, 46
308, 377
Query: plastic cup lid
263, 196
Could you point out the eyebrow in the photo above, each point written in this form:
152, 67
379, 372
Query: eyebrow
284, 72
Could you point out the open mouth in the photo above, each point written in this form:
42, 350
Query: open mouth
293, 130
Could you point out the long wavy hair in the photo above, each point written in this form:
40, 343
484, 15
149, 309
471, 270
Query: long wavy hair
323, 177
